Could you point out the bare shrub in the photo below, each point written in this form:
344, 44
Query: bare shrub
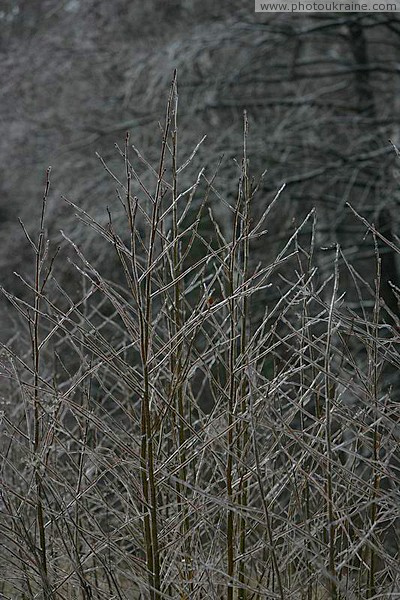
181, 431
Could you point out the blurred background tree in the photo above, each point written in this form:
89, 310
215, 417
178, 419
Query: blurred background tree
321, 91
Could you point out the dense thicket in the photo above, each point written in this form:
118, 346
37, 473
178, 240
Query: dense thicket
199, 374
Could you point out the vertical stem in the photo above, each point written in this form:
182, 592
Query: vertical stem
149, 484
329, 396
147, 457
236, 275
177, 355
39, 284
243, 436
36, 367
232, 388
373, 377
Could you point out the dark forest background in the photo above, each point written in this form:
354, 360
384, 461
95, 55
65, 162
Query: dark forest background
321, 92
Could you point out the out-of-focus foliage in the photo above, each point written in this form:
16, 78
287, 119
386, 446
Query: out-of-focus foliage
321, 91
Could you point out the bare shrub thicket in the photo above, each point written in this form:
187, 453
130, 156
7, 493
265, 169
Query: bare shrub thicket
182, 428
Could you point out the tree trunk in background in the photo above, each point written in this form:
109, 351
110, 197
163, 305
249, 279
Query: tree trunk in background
359, 49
